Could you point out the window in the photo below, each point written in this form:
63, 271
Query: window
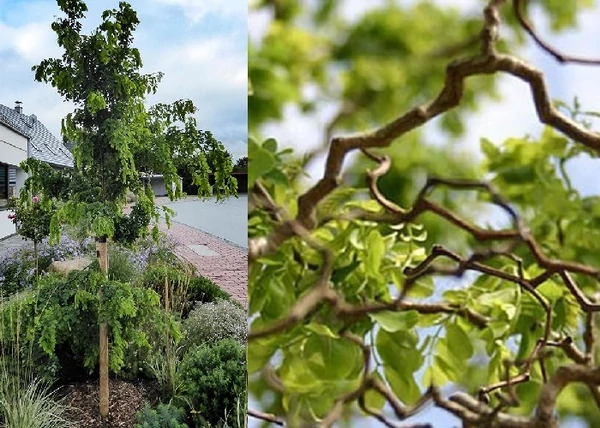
3, 184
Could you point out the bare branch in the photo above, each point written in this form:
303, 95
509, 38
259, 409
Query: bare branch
559, 56
267, 417
561, 378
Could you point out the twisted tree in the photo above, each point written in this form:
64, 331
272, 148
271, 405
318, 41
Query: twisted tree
117, 139
346, 318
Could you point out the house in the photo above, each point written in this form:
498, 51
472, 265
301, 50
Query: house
21, 137
158, 184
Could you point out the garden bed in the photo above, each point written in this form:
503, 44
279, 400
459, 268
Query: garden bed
126, 399
175, 337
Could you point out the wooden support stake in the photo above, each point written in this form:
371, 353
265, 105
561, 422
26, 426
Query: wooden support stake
102, 254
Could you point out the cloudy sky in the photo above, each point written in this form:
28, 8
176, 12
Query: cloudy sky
200, 45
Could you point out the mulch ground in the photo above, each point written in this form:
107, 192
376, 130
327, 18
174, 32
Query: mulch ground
126, 399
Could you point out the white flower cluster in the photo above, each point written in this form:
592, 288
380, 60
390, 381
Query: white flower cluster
212, 322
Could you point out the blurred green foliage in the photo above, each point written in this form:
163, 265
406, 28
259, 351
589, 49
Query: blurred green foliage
369, 69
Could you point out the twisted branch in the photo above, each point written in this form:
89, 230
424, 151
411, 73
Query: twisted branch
559, 56
472, 411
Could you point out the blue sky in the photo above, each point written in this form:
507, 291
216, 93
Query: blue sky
200, 45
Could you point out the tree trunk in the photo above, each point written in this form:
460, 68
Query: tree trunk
35, 256
102, 254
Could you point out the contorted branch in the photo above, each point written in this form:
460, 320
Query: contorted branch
489, 62
472, 411
559, 56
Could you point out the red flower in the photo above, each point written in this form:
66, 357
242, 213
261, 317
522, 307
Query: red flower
35, 199
12, 216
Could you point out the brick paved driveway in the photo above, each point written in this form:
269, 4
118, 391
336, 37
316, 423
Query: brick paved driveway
224, 263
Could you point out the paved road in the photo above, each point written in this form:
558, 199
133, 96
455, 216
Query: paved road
227, 220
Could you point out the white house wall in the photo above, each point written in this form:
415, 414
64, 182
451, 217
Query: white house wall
13, 146
158, 186
7, 227
21, 177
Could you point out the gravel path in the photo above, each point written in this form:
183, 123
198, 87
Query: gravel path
14, 242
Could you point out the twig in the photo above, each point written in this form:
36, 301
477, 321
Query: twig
266, 417
559, 56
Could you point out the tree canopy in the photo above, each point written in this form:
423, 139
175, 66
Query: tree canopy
348, 316
241, 164
116, 136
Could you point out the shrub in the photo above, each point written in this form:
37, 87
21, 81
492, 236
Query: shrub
162, 364
130, 228
17, 272
62, 315
66, 248
164, 416
161, 251
125, 265
26, 401
184, 287
213, 322
32, 214
204, 290
176, 280
213, 378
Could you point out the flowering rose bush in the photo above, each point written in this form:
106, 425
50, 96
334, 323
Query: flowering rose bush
31, 216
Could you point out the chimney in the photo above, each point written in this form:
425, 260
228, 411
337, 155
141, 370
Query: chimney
18, 107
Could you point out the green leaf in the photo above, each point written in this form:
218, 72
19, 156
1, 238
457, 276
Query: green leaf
518, 174
261, 352
373, 399
261, 161
368, 205
398, 350
488, 148
330, 358
435, 376
456, 297
332, 203
403, 385
396, 321
551, 291
458, 342
376, 251
448, 369
422, 288
322, 330
270, 144
297, 377
340, 275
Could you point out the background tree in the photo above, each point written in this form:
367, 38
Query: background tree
347, 319
34, 208
110, 127
195, 153
241, 165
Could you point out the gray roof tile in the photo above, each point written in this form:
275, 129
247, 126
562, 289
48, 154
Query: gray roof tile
43, 145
